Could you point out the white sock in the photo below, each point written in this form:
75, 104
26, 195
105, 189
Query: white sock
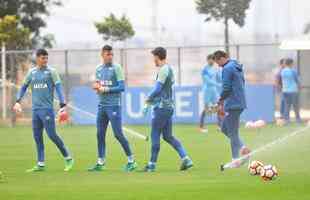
185, 158
131, 159
100, 161
68, 158
151, 163
41, 164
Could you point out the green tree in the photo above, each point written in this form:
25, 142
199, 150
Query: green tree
31, 15
13, 35
114, 29
224, 10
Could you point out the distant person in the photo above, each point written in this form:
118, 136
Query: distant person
290, 90
210, 89
232, 101
278, 85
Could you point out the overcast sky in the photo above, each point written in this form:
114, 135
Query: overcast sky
73, 24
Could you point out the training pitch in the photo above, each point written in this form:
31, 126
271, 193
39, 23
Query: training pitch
203, 181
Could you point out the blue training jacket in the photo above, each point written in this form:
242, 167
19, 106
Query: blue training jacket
233, 90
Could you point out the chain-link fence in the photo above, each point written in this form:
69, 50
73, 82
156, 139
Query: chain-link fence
77, 67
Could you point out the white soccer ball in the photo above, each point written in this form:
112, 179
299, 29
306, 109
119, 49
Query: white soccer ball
260, 124
269, 173
255, 167
249, 124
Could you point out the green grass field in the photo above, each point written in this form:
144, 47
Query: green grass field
204, 181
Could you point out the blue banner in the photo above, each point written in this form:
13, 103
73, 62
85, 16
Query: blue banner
188, 104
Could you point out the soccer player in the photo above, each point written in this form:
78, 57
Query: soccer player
163, 106
233, 102
43, 80
109, 86
290, 90
210, 90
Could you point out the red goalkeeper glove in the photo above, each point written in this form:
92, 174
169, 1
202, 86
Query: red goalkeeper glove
63, 115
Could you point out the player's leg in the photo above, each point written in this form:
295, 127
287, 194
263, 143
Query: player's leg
202, 121
203, 126
175, 143
157, 124
230, 128
115, 117
214, 101
37, 129
48, 118
235, 140
237, 146
102, 122
295, 102
282, 105
288, 104
224, 125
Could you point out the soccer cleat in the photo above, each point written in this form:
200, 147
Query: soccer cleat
68, 165
36, 168
149, 168
96, 168
235, 164
131, 166
186, 164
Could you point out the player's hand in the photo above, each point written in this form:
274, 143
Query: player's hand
96, 86
220, 111
146, 108
63, 115
17, 108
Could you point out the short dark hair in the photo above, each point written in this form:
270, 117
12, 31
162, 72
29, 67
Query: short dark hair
289, 61
107, 48
41, 52
282, 61
210, 57
220, 54
160, 52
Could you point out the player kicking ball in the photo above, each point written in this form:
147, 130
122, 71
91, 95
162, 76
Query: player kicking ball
43, 80
232, 102
163, 106
109, 85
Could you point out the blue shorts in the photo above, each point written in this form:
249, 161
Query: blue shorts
43, 118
